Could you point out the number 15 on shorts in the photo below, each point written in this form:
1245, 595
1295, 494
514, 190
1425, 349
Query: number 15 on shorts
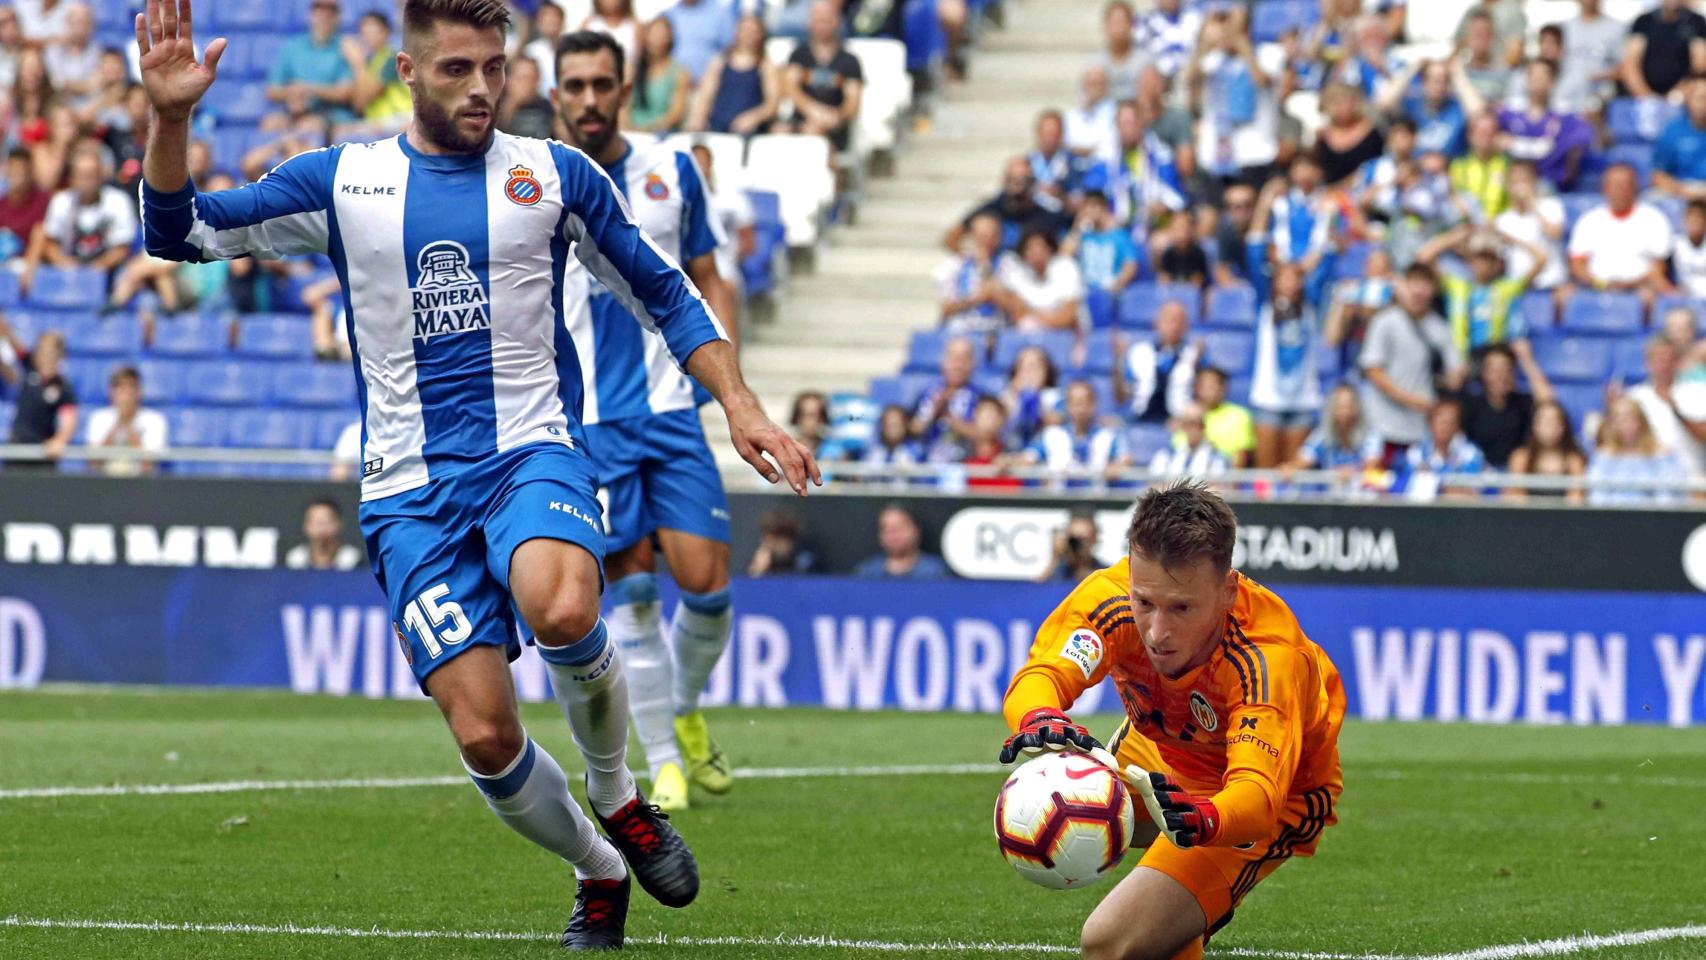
428, 614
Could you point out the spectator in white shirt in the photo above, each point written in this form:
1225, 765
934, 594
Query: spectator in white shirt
1040, 289
1656, 400
323, 529
1089, 126
43, 21
1123, 60
1623, 244
125, 422
1688, 256
91, 223
347, 453
1628, 449
1191, 455
1593, 48
1533, 220
74, 63
1154, 378
1077, 448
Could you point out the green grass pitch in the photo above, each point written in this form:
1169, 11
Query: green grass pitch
1451, 838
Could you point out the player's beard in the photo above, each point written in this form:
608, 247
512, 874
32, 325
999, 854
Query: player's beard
592, 145
439, 126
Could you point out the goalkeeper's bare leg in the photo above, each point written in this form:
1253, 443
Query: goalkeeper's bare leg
1148, 916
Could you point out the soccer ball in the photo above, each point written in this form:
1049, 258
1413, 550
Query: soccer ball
1063, 820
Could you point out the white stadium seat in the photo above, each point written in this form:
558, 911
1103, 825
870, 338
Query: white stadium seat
796, 166
888, 89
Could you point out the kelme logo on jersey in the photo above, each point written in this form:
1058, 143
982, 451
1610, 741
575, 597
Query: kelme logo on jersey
1084, 649
1203, 712
522, 188
656, 189
447, 297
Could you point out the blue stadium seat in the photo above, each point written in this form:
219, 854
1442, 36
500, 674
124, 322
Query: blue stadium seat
282, 336
1230, 350
1637, 155
269, 428
1540, 313
1140, 301
1056, 343
1142, 440
1576, 204
1622, 116
1671, 206
113, 335
988, 380
1099, 306
1238, 390
311, 384
1328, 360
226, 383
115, 16
27, 325
10, 294
1232, 307
1579, 400
924, 353
69, 288
1584, 360
7, 412
162, 381
1670, 301
1602, 312
88, 376
191, 335
330, 425
236, 16
1270, 19
1629, 359
888, 390
197, 426
238, 103
926, 43
1349, 263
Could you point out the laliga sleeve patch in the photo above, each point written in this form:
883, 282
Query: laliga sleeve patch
1085, 650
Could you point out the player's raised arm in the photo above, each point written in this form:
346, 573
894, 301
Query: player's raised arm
175, 83
658, 294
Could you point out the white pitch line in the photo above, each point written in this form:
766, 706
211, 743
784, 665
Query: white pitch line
753, 773
1557, 947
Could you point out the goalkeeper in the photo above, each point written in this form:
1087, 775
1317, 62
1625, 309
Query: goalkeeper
1230, 740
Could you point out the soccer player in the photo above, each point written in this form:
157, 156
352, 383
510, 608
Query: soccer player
478, 497
642, 422
1230, 740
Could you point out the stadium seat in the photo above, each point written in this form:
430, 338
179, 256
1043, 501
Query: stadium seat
1100, 308
1600, 312
68, 288
1057, 344
1579, 400
1142, 440
797, 167
113, 335
1140, 301
1232, 307
926, 43
1270, 19
239, 103
10, 294
27, 325
285, 429
197, 426
1623, 117
886, 391
1329, 361
1670, 301
115, 16
1540, 313
1629, 359
987, 380
162, 381
888, 89
88, 376
281, 336
1576, 204
226, 382
314, 384
191, 335
7, 412
1230, 350
924, 353
1585, 360
1637, 155
329, 425
1238, 390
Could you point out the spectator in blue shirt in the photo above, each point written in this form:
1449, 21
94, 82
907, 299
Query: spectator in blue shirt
1444, 450
1679, 155
703, 29
1441, 124
311, 74
901, 558
1627, 450
944, 412
1051, 163
1105, 252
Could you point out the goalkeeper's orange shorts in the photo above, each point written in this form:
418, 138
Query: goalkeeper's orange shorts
1219, 877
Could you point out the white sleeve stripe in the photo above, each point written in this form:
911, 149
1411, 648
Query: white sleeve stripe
296, 233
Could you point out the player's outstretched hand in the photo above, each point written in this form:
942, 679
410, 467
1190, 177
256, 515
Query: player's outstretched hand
1046, 728
171, 76
1186, 820
755, 435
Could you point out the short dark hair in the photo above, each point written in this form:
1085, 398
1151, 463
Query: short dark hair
1402, 123
378, 17
590, 41
326, 502
18, 153
1208, 370
1038, 233
1553, 30
123, 372
1697, 205
1550, 65
1421, 271
1180, 524
1497, 350
420, 16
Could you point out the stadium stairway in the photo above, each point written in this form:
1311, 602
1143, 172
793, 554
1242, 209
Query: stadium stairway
850, 318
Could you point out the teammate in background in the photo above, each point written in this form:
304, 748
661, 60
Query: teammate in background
478, 498
661, 483
1232, 722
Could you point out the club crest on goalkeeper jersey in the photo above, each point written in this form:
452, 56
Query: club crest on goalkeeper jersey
629, 371
454, 280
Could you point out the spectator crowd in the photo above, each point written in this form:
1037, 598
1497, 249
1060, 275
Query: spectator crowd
1270, 235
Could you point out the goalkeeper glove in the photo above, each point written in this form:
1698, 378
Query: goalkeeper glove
1046, 728
1186, 820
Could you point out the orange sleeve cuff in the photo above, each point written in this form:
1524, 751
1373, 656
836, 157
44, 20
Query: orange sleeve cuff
1031, 688
1247, 812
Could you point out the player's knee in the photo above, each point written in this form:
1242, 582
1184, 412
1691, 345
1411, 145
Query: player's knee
565, 619
490, 745
705, 578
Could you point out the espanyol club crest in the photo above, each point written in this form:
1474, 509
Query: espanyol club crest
656, 189
1203, 713
522, 188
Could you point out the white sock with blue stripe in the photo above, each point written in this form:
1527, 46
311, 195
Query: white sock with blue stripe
635, 630
531, 796
698, 636
586, 677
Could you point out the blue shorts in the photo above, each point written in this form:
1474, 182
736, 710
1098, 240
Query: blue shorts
1285, 419
442, 551
657, 473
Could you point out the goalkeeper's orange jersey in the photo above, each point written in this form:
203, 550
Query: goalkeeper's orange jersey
1255, 725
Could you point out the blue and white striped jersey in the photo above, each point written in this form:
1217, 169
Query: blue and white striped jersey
454, 280
629, 371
